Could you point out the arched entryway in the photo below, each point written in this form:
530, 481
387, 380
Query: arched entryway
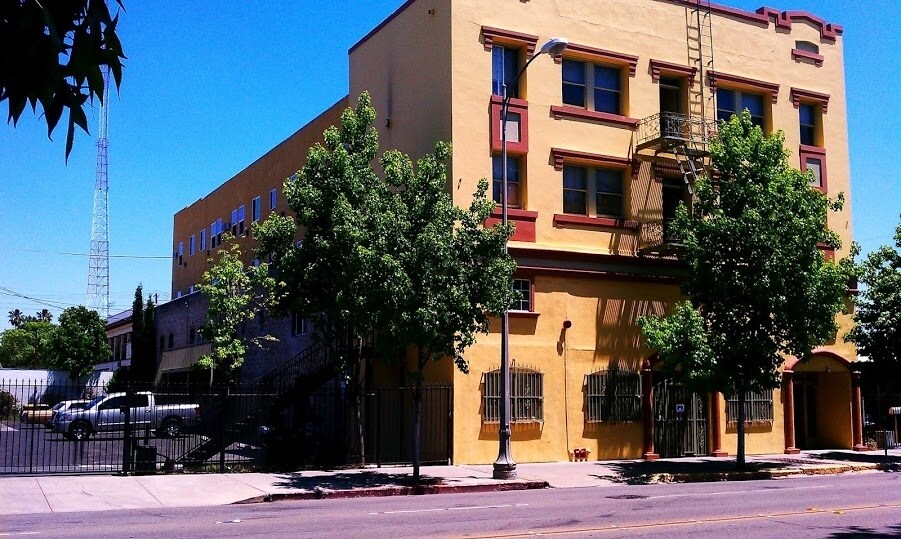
821, 403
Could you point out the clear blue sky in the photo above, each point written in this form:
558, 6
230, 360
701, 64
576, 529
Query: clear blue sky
207, 90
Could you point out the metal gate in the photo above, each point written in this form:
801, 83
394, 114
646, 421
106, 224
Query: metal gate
680, 421
389, 425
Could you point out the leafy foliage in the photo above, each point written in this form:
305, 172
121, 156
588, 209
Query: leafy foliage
143, 341
877, 332
53, 53
236, 295
16, 318
28, 346
757, 283
80, 341
393, 256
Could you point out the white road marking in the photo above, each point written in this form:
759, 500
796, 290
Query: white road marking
732, 492
436, 509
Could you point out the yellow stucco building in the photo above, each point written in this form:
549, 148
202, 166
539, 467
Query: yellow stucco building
594, 176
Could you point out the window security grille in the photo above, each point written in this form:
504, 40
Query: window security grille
526, 396
612, 396
758, 407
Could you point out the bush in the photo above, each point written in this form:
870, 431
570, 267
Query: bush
9, 408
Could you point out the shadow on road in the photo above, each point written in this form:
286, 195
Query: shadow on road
643, 473
867, 533
347, 481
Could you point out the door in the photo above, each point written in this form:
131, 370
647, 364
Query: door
140, 410
672, 110
805, 393
109, 414
673, 195
680, 421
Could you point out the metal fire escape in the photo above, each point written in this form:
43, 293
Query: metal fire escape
679, 141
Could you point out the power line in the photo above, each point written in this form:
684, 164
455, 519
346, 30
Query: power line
152, 257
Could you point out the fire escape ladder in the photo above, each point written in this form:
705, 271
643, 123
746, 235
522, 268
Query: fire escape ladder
700, 54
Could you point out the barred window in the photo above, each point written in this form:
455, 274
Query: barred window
612, 396
526, 396
758, 407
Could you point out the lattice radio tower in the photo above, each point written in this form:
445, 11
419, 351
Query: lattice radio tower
98, 265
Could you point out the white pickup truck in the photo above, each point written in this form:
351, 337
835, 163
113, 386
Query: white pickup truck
107, 413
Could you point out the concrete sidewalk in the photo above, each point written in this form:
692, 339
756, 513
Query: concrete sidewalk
58, 493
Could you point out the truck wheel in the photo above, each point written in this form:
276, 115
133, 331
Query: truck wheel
171, 427
79, 431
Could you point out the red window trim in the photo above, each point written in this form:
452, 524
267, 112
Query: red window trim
523, 219
490, 35
574, 51
739, 82
566, 111
799, 55
815, 152
515, 213
517, 106
561, 156
563, 219
659, 67
799, 96
828, 252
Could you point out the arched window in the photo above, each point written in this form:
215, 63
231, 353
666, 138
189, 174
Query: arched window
807, 46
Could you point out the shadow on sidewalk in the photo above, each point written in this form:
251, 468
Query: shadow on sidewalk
893, 462
643, 473
350, 481
866, 533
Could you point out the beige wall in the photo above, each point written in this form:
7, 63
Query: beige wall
257, 180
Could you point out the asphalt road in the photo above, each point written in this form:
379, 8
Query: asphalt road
859, 505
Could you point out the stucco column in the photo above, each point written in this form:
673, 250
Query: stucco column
788, 408
856, 413
716, 433
647, 405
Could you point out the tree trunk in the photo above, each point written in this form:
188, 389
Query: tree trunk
358, 403
417, 425
740, 453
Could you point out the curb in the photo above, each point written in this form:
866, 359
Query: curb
765, 474
420, 490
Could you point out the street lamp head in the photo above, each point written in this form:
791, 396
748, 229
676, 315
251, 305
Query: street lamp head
555, 47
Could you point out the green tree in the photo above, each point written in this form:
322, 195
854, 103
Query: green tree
148, 342
758, 287
236, 295
28, 346
392, 256
143, 364
44, 315
877, 316
53, 53
80, 341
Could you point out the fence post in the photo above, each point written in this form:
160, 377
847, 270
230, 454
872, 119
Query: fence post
126, 436
449, 441
223, 399
378, 427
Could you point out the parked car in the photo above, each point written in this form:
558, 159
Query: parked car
36, 414
66, 405
106, 414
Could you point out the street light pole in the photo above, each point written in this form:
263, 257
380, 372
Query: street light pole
505, 466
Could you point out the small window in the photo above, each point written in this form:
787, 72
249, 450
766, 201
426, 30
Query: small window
162, 343
213, 232
807, 46
241, 220
513, 180
504, 68
171, 340
526, 396
758, 407
524, 302
256, 209
180, 252
606, 86
273, 198
603, 196
113, 404
191, 245
612, 396
203, 239
808, 121
815, 165
730, 102
138, 401
192, 335
298, 325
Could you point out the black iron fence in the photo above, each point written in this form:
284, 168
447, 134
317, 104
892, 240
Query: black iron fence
180, 427
878, 424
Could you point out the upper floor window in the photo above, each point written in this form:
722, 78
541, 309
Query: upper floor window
191, 245
238, 221
730, 102
298, 325
808, 122
203, 239
524, 302
807, 46
504, 68
591, 86
814, 165
179, 253
513, 180
592, 191
273, 197
256, 209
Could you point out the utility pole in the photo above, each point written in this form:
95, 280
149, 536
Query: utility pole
98, 265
